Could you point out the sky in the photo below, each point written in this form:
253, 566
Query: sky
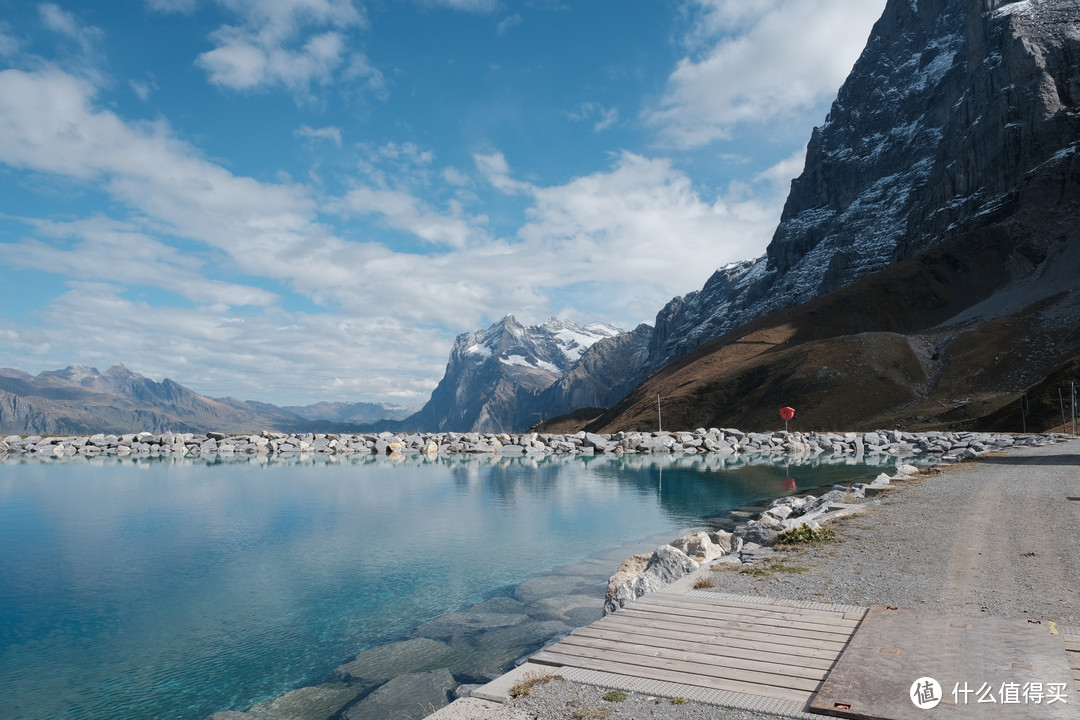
297, 201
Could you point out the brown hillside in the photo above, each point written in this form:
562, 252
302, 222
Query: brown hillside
948, 338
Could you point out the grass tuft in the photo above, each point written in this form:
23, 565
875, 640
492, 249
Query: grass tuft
529, 681
615, 696
679, 701
703, 582
805, 535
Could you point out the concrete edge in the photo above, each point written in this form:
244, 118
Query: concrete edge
498, 690
705, 696
476, 709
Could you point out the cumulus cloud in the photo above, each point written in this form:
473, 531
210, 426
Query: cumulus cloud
761, 62
289, 43
620, 242
268, 354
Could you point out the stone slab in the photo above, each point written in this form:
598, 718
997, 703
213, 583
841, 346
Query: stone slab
895, 647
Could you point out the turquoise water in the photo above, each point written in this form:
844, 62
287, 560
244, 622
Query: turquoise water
155, 588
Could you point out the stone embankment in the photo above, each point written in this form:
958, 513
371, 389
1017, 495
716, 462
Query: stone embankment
950, 446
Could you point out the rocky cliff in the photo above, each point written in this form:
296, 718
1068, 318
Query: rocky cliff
925, 268
957, 115
495, 378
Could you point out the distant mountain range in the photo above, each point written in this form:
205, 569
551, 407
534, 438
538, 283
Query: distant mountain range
82, 400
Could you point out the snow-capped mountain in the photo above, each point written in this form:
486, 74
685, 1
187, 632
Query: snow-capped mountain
925, 267
494, 376
957, 114
958, 127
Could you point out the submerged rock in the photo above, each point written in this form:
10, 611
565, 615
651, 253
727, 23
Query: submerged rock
317, 702
406, 697
381, 663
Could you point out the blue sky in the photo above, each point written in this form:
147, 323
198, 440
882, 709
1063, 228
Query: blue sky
305, 200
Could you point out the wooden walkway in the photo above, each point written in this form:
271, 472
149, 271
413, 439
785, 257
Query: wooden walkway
756, 646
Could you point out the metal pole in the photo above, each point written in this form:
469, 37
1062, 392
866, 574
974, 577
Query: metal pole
1072, 384
1061, 401
659, 420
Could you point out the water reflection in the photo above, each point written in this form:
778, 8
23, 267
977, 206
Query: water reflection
134, 587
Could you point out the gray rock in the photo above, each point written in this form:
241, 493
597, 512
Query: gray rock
704, 546
317, 702
386, 661
447, 626
757, 533
406, 697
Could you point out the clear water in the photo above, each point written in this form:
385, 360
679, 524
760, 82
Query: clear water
164, 589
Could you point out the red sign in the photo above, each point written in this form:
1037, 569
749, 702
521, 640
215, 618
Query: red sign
787, 413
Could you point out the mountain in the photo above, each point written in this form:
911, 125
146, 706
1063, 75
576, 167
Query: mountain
955, 115
83, 400
925, 267
358, 413
496, 378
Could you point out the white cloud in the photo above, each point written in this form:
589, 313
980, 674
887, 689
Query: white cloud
114, 252
619, 242
142, 89
602, 117
268, 355
496, 171
508, 22
474, 6
66, 24
9, 46
290, 43
766, 62
181, 6
332, 134
403, 211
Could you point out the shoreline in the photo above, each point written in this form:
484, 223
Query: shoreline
954, 541
747, 552
949, 446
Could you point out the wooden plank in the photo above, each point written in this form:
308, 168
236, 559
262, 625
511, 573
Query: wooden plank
729, 646
788, 643
771, 679
734, 624
546, 657
1072, 642
840, 626
709, 657
763, 612
765, 605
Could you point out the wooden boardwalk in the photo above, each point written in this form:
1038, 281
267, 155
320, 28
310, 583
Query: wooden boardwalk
756, 646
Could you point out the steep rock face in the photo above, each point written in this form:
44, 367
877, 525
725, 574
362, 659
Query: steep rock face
957, 113
606, 372
493, 374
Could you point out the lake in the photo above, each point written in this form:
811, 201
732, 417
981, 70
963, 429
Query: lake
143, 588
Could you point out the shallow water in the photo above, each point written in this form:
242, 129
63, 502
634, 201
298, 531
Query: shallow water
143, 588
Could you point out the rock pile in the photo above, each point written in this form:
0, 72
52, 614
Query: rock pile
950, 446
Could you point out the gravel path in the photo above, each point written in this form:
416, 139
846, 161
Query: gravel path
999, 535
